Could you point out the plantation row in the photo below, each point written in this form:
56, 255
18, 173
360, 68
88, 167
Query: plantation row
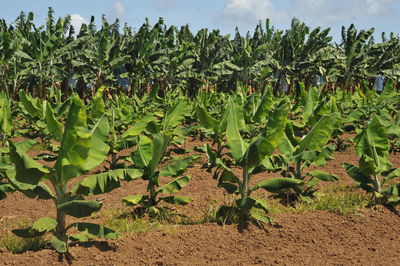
250, 132
45, 59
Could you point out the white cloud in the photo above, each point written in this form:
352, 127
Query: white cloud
249, 12
326, 12
76, 21
118, 8
165, 5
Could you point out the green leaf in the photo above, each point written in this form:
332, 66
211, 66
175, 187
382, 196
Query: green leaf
264, 107
235, 122
179, 167
178, 200
321, 175
393, 174
53, 126
320, 134
275, 130
175, 185
139, 127
206, 120
372, 147
278, 185
60, 243
80, 208
27, 170
134, 200
144, 152
96, 230
174, 116
363, 179
105, 182
160, 144
44, 224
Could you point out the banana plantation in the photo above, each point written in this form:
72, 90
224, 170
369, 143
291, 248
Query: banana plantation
196, 139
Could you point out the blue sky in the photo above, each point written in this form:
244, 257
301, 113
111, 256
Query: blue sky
221, 14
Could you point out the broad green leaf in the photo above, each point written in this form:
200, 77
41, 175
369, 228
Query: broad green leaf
308, 108
27, 170
320, 134
259, 215
264, 107
235, 122
206, 120
144, 152
178, 200
60, 243
39, 190
53, 126
105, 182
139, 127
178, 167
134, 200
174, 116
275, 129
98, 150
321, 175
96, 230
75, 145
363, 179
175, 185
28, 104
372, 147
278, 185
160, 144
395, 173
44, 224
79, 208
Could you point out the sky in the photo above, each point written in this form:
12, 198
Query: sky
225, 15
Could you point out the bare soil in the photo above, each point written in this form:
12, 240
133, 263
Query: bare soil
370, 237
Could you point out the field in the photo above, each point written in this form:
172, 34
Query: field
170, 148
336, 233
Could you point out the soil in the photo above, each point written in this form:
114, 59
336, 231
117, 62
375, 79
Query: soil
370, 237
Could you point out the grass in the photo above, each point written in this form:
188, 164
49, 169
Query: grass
17, 245
124, 222
340, 203
128, 223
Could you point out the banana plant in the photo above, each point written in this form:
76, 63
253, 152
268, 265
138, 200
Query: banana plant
248, 155
374, 172
6, 126
310, 149
149, 157
82, 149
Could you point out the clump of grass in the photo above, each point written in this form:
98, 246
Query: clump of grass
340, 203
15, 244
124, 222
18, 245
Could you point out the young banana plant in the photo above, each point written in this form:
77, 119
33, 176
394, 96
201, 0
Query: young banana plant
374, 173
149, 156
311, 149
82, 149
248, 156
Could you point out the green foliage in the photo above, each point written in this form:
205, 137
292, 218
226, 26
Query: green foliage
82, 149
150, 154
374, 173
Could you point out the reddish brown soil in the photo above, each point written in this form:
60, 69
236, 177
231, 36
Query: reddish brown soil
310, 238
